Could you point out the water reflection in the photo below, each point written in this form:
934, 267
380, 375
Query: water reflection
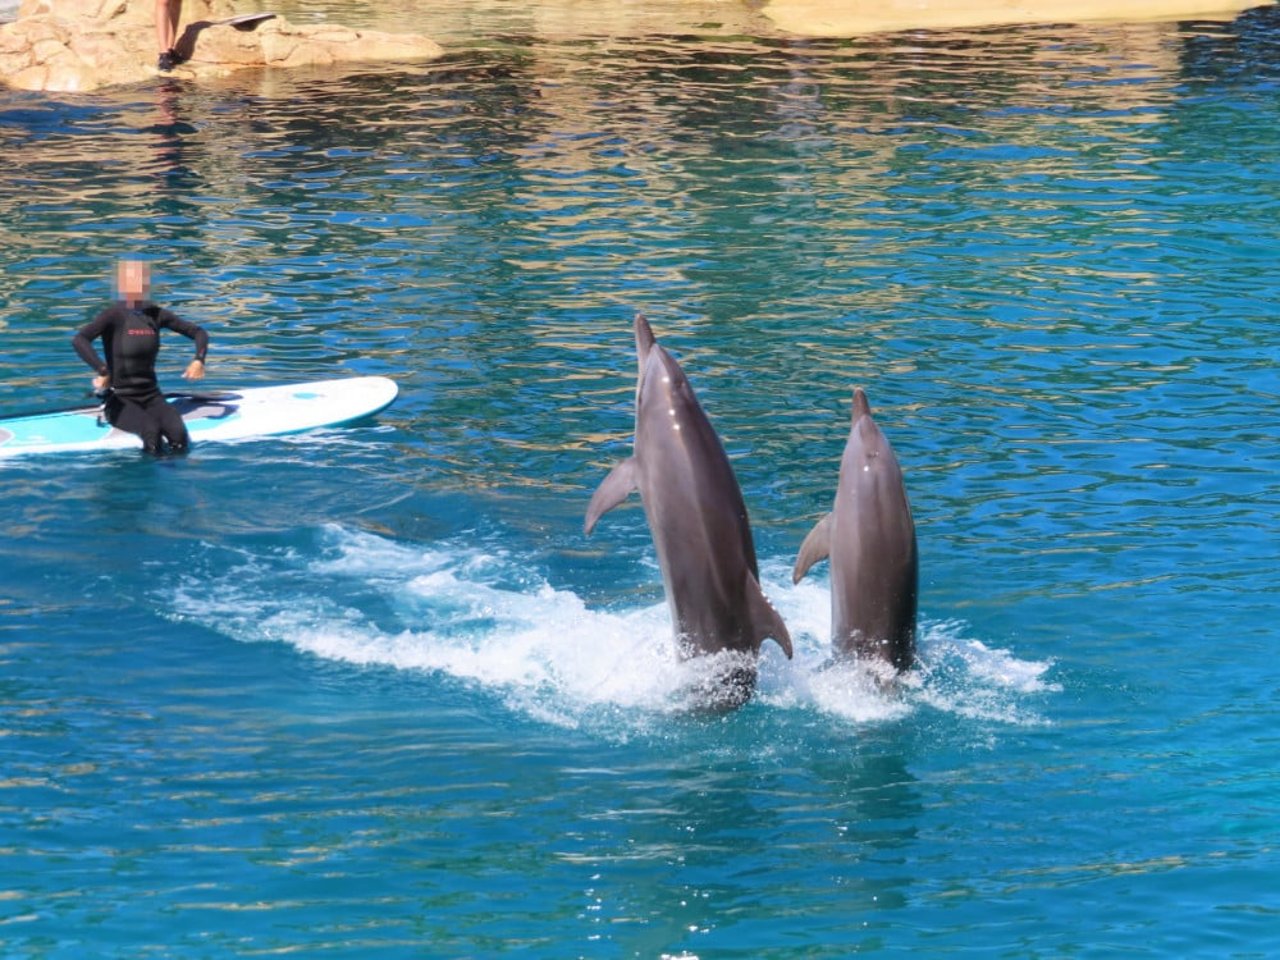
495, 218
604, 121
1243, 51
1047, 255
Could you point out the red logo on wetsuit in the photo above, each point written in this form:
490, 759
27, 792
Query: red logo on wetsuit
141, 332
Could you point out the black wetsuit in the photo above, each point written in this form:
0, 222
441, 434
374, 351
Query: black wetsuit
131, 340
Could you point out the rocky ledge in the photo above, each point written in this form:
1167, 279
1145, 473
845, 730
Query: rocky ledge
82, 45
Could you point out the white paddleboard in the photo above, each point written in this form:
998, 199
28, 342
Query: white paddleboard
254, 412
244, 21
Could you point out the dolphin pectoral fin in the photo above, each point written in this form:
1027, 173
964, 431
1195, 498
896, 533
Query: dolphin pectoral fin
767, 620
613, 489
816, 546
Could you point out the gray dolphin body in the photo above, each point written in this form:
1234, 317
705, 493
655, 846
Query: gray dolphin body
870, 537
697, 519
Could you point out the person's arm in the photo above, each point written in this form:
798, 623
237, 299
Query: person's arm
195, 369
83, 344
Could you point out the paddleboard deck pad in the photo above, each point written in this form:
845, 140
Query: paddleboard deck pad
253, 412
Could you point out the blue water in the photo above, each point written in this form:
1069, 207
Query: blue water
371, 692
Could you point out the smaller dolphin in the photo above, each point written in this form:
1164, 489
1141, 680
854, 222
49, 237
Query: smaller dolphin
698, 522
871, 540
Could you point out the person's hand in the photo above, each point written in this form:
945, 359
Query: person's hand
100, 384
195, 370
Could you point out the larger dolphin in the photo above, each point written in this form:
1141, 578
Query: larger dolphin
870, 538
697, 519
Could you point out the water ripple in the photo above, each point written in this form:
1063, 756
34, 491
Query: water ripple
373, 690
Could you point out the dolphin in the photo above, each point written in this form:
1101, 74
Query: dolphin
698, 522
870, 539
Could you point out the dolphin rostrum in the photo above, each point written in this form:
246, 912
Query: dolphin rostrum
871, 540
697, 519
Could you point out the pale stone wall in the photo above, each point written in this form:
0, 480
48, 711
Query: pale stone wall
81, 45
849, 18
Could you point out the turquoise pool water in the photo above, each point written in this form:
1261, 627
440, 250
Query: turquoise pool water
371, 693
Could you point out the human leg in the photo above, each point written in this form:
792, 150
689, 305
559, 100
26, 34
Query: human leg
172, 427
166, 17
136, 419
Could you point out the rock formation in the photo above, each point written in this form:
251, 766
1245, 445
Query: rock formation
823, 18
81, 45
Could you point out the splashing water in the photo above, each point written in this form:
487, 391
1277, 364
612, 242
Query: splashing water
480, 618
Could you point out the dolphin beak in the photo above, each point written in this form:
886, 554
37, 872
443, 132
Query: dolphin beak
861, 406
644, 340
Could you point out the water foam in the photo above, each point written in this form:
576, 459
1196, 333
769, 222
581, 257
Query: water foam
481, 618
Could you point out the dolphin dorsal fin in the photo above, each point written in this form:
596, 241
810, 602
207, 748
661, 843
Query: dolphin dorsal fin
816, 546
644, 340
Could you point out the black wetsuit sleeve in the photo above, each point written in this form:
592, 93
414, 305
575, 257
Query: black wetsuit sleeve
169, 319
84, 337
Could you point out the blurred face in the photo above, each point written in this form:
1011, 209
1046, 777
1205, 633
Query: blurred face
133, 280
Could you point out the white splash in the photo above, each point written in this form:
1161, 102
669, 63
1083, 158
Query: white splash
480, 618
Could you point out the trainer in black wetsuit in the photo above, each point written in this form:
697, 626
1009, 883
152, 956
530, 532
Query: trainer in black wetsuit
130, 332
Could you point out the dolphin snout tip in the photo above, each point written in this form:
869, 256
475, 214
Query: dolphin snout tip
861, 405
641, 327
